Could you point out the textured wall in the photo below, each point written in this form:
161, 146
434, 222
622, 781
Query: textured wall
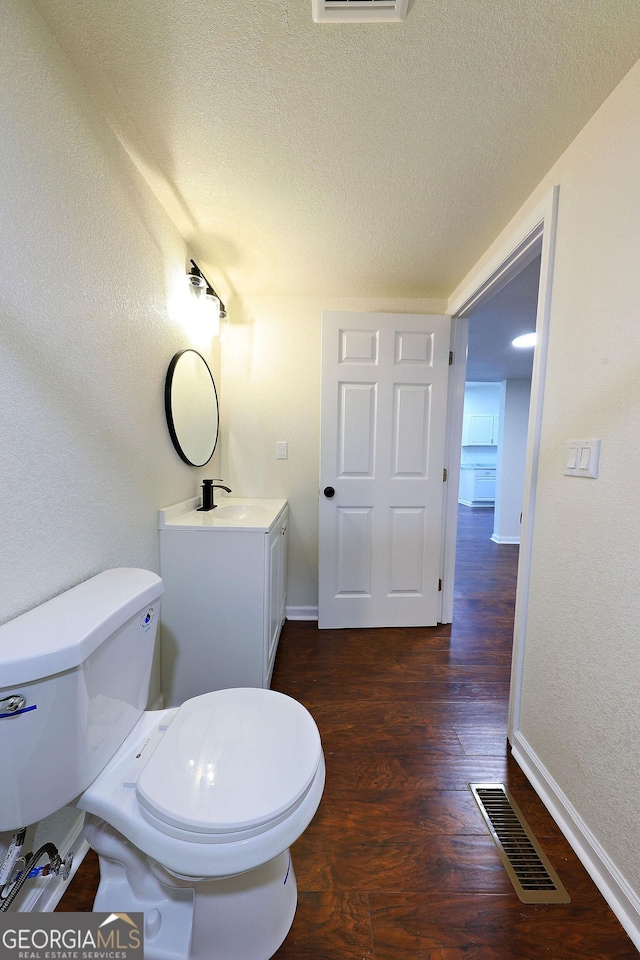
271, 386
93, 304
580, 703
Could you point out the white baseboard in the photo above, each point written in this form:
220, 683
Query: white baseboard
620, 896
476, 505
504, 539
43, 894
302, 613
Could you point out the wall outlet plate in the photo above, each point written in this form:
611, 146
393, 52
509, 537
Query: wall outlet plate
282, 450
582, 458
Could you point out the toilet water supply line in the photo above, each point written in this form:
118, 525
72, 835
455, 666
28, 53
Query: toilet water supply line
13, 856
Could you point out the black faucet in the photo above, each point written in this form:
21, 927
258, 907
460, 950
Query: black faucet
208, 486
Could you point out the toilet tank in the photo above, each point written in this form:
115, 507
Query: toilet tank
80, 664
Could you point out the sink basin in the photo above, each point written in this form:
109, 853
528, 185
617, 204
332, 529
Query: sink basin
232, 513
250, 512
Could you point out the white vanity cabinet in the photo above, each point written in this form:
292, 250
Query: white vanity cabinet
223, 608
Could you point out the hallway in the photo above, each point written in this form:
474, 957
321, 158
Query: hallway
397, 864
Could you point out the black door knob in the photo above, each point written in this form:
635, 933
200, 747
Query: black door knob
329, 492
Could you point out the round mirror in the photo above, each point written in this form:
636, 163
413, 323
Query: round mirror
191, 405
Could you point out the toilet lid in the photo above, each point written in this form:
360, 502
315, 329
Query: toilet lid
231, 760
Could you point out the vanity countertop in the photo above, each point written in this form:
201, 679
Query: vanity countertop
231, 513
477, 466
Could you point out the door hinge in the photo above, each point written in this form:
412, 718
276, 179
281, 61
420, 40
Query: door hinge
439, 585
444, 475
450, 358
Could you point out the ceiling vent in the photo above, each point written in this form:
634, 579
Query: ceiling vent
359, 11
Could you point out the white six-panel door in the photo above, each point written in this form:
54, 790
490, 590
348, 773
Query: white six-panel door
384, 391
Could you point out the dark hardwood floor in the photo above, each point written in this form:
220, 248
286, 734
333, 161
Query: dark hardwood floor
397, 864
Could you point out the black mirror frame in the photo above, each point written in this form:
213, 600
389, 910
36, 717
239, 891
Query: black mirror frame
169, 414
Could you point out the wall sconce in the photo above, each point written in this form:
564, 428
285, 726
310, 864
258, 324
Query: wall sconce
214, 306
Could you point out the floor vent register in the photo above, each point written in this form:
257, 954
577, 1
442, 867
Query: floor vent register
533, 877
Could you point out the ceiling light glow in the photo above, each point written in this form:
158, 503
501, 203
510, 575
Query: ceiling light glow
526, 340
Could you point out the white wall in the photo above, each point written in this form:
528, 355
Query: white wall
580, 703
93, 304
512, 448
481, 398
271, 388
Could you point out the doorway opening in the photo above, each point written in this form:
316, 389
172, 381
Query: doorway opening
496, 403
493, 453
535, 237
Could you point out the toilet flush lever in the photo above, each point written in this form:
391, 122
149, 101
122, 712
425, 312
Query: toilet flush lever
10, 704
13, 705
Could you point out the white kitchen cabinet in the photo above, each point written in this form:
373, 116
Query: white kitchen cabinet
224, 604
480, 429
477, 486
484, 485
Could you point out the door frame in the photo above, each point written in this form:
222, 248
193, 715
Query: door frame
535, 236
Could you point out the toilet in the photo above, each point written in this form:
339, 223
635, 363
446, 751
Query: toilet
191, 810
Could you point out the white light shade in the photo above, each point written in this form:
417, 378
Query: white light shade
526, 340
211, 304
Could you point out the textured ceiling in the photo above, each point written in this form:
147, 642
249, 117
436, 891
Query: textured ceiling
364, 160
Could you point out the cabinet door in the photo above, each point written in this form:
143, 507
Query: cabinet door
479, 430
484, 488
284, 541
276, 589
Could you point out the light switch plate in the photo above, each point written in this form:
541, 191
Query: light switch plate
581, 458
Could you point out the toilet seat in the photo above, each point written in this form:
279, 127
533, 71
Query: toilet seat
231, 765
113, 797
